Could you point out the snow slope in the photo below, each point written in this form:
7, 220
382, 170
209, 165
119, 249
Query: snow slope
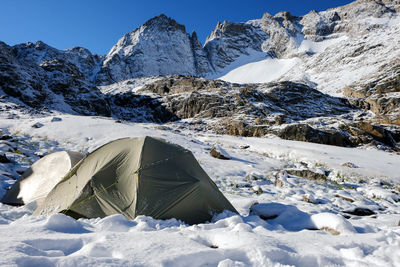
263, 71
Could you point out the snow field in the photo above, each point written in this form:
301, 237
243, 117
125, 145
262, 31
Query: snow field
239, 241
263, 71
305, 222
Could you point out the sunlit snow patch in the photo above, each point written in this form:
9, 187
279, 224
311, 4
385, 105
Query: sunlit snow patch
309, 46
256, 68
262, 71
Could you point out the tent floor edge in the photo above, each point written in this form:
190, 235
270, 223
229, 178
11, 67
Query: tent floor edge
73, 214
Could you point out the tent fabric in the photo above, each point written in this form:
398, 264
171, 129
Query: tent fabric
137, 176
37, 181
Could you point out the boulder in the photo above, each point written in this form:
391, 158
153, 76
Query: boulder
219, 153
37, 125
308, 174
360, 212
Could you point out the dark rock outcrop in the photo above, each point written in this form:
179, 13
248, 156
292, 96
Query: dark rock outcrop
304, 132
381, 95
289, 110
308, 174
360, 212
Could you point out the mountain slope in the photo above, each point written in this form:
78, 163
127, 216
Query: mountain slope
42, 77
327, 42
350, 51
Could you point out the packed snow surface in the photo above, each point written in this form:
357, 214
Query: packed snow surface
298, 222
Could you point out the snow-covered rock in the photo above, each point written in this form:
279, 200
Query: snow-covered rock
43, 77
39, 52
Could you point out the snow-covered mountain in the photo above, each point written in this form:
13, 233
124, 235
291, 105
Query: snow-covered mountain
350, 51
162, 42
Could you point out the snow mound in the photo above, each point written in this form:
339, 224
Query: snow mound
115, 223
379, 193
291, 218
283, 216
329, 221
64, 224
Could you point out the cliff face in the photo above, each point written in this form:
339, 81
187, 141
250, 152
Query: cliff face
160, 47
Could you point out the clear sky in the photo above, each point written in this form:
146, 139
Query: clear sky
98, 24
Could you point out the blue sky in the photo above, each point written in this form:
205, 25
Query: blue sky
98, 24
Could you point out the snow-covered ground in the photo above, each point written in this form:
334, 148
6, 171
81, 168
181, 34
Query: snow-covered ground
297, 222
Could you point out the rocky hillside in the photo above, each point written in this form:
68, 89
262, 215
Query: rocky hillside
328, 77
43, 77
292, 111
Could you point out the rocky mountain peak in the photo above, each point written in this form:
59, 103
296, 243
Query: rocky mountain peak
164, 22
230, 40
288, 22
266, 15
349, 19
161, 46
40, 45
196, 44
227, 29
284, 16
81, 51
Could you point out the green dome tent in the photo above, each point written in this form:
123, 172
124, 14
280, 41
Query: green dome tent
137, 176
